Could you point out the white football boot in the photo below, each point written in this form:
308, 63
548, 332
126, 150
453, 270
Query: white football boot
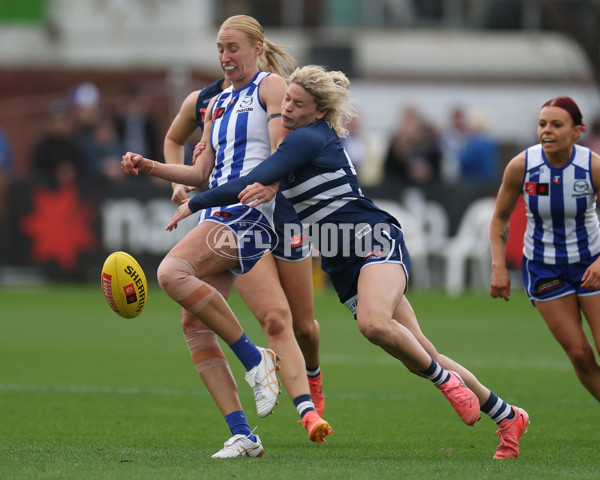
240, 446
263, 379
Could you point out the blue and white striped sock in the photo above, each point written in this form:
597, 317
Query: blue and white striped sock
497, 409
436, 373
304, 404
313, 372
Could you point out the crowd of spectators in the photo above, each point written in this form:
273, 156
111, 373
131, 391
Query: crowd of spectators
83, 139
6, 168
421, 153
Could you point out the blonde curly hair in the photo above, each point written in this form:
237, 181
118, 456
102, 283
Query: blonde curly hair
330, 90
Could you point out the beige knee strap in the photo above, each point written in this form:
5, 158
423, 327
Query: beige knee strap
177, 278
205, 350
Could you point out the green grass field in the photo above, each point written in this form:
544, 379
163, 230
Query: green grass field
85, 394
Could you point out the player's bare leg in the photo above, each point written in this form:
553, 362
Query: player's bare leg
261, 290
296, 280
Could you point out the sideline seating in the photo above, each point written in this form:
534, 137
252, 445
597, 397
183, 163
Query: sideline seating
469, 250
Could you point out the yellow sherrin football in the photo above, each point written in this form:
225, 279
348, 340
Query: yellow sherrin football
124, 284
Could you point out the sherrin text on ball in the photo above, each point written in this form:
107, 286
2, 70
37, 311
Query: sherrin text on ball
124, 284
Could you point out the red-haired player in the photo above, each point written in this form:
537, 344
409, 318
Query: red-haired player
559, 181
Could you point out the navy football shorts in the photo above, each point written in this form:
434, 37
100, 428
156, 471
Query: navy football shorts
545, 282
292, 244
253, 234
345, 281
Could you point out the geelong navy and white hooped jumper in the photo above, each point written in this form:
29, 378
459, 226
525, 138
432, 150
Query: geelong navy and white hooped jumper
319, 180
562, 224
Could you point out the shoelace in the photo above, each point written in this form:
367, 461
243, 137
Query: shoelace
460, 394
508, 436
273, 371
463, 396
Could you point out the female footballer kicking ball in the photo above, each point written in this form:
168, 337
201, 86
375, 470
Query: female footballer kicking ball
369, 268
242, 127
